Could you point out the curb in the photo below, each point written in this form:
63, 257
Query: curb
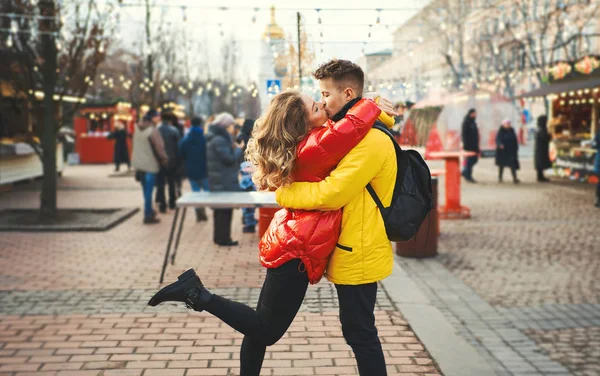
454, 356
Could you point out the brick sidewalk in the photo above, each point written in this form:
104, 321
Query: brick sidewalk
75, 303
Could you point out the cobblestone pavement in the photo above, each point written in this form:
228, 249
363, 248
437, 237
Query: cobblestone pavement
573, 346
75, 303
524, 268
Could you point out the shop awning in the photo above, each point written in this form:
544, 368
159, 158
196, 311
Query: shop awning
561, 87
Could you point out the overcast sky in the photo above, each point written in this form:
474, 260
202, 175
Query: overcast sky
344, 24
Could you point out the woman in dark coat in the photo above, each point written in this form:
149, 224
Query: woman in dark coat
223, 162
121, 153
541, 148
507, 149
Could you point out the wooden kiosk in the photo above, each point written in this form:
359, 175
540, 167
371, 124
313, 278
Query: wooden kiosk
92, 126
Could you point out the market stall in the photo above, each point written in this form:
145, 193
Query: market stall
574, 109
94, 123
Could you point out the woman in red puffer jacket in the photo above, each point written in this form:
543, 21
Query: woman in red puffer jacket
294, 141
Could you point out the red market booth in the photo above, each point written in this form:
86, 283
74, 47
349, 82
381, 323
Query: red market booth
92, 126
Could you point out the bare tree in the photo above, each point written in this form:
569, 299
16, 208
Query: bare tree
56, 49
448, 20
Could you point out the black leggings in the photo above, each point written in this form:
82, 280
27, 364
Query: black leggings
280, 299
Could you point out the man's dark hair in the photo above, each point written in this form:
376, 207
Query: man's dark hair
166, 116
343, 72
197, 121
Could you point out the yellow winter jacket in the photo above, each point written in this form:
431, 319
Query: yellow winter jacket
363, 253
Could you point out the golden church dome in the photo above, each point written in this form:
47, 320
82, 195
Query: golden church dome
273, 30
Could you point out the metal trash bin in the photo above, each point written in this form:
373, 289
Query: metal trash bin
426, 242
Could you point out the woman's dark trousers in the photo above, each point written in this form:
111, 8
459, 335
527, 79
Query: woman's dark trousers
280, 299
513, 171
222, 225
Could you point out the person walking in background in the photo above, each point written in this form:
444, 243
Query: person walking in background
148, 157
223, 161
168, 175
192, 150
541, 148
507, 150
179, 172
470, 140
596, 145
246, 184
121, 151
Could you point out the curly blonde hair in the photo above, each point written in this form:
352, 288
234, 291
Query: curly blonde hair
272, 148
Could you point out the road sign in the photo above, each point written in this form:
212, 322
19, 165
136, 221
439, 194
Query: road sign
273, 86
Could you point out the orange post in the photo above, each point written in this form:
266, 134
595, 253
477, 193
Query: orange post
453, 208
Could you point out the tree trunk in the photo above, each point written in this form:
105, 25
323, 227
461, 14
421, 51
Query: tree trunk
48, 195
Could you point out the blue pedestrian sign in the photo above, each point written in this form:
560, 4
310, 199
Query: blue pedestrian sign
273, 86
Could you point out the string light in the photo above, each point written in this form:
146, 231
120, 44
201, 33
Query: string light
9, 42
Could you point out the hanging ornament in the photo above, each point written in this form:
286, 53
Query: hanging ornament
378, 17
319, 16
9, 42
14, 26
587, 65
58, 45
560, 70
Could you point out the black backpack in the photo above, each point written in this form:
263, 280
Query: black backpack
412, 199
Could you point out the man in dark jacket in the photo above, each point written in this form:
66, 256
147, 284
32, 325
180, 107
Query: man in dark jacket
171, 137
223, 160
192, 150
470, 140
541, 148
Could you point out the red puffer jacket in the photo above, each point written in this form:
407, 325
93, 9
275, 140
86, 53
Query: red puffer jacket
312, 235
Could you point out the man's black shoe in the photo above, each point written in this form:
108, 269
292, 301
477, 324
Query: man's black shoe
230, 243
178, 291
162, 209
151, 220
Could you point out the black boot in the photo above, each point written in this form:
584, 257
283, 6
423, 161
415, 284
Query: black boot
187, 289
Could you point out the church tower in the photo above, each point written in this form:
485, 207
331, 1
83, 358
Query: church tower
270, 73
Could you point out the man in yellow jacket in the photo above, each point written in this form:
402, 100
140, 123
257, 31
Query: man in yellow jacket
363, 255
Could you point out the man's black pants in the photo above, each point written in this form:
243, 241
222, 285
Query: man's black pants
357, 307
168, 177
222, 225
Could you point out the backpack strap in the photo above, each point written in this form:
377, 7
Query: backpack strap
378, 125
375, 197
